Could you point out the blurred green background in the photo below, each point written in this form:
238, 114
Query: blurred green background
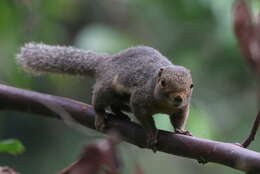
196, 34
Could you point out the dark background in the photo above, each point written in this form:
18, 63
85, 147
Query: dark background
196, 34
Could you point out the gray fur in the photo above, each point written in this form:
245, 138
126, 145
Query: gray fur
42, 58
140, 78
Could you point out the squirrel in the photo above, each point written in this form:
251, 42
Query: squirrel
139, 80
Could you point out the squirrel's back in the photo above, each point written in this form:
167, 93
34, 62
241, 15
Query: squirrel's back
133, 66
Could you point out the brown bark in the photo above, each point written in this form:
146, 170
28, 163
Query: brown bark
203, 150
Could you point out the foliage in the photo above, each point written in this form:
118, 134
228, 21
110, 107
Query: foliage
11, 146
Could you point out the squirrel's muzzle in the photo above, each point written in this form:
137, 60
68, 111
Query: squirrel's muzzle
178, 100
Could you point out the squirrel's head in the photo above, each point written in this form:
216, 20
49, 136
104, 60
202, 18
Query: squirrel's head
173, 86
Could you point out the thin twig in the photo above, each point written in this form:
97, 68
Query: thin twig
252, 134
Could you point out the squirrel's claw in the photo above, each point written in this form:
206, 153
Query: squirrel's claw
183, 132
152, 140
100, 124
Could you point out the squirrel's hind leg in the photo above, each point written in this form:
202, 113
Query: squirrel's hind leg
101, 99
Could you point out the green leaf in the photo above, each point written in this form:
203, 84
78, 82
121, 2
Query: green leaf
11, 146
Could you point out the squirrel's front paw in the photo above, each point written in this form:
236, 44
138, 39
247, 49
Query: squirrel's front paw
100, 124
183, 132
152, 140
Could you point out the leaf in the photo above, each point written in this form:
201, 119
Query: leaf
244, 28
247, 29
7, 170
138, 169
101, 156
11, 146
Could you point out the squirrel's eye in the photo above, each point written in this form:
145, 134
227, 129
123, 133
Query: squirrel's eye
163, 83
191, 86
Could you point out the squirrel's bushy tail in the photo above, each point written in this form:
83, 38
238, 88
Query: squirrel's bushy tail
40, 58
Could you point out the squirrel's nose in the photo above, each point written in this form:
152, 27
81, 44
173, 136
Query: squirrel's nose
178, 99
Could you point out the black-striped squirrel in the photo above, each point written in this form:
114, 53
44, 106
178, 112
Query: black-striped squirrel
139, 79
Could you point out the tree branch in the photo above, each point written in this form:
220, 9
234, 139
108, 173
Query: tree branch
203, 150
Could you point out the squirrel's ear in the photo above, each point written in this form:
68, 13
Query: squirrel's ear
160, 72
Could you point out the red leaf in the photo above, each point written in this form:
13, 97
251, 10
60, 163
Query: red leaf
244, 29
97, 157
138, 170
255, 46
7, 170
